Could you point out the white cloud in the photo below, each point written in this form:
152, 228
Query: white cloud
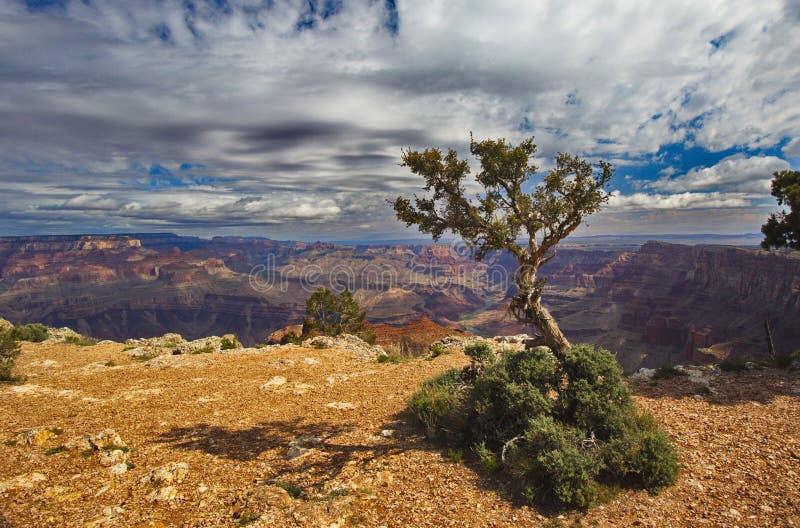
734, 173
93, 93
686, 200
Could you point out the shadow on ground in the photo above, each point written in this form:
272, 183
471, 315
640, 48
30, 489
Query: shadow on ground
731, 388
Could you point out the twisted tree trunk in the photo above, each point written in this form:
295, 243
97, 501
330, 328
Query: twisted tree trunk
527, 307
553, 337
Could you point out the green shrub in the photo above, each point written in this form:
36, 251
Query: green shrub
80, 340
594, 398
436, 350
229, 343
391, 358
667, 372
290, 488
565, 426
488, 458
291, 338
641, 456
509, 394
35, 333
9, 350
208, 349
734, 364
479, 352
553, 465
437, 406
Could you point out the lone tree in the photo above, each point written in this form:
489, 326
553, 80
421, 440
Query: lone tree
504, 212
783, 229
331, 314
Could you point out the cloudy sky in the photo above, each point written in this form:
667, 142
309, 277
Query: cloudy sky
285, 119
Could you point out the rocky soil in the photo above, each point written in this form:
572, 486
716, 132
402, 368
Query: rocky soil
295, 436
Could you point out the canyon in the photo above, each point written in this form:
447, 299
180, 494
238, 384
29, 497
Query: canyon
653, 304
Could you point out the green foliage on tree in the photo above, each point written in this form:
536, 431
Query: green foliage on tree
505, 213
331, 314
783, 228
563, 426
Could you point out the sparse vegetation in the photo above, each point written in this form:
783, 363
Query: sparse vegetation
733, 364
80, 340
391, 358
786, 360
229, 343
456, 455
9, 350
35, 333
290, 488
291, 338
667, 372
564, 426
436, 350
208, 349
248, 519
54, 450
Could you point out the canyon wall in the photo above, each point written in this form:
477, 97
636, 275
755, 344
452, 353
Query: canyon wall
661, 303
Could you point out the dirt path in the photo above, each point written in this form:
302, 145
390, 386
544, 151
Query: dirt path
329, 428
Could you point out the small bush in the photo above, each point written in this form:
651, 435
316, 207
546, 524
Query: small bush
480, 352
509, 394
35, 333
208, 349
488, 458
54, 450
436, 405
733, 364
391, 358
786, 360
291, 338
9, 350
641, 456
565, 426
229, 343
290, 488
553, 466
436, 350
667, 372
456, 455
80, 340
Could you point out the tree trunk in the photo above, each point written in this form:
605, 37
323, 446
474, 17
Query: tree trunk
770, 345
527, 307
553, 337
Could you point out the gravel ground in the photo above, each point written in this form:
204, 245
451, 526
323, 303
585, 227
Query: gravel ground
309, 437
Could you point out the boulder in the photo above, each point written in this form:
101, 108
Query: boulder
58, 335
35, 437
643, 374
348, 342
163, 494
211, 344
276, 337
107, 439
27, 480
167, 474
275, 381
